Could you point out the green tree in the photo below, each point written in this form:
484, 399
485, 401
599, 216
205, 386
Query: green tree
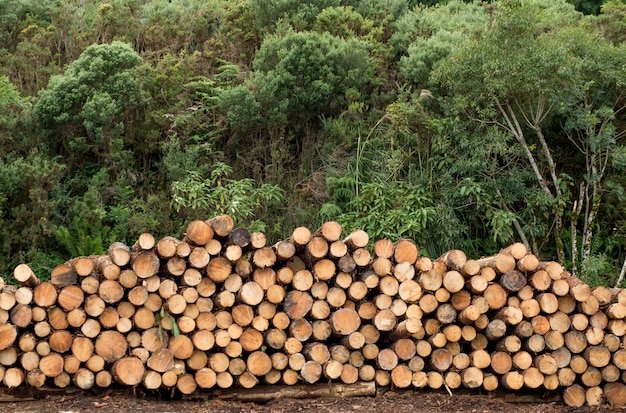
345, 22
91, 112
426, 35
612, 20
12, 106
28, 203
300, 15
298, 79
537, 77
301, 76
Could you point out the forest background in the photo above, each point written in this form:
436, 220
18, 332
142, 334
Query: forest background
460, 125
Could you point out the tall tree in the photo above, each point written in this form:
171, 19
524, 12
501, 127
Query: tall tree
537, 76
91, 111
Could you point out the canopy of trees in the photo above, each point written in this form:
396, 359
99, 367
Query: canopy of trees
458, 124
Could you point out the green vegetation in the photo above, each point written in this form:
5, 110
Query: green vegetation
459, 124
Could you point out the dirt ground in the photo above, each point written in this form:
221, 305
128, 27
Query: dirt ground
415, 401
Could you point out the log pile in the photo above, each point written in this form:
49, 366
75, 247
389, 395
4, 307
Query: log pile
218, 308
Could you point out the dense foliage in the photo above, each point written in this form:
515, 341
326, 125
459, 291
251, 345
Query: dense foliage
458, 124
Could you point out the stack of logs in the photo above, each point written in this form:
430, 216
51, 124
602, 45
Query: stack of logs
219, 308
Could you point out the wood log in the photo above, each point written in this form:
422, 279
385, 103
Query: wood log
361, 258
222, 225
300, 236
345, 321
575, 341
533, 378
591, 377
383, 248
284, 250
63, 275
501, 263
111, 345
441, 359
578, 289
382, 266
472, 377
496, 296
615, 394
8, 335
23, 295
337, 250
21, 315
25, 276
528, 263
513, 280
597, 356
560, 287
453, 281
454, 260
297, 304
311, 372
405, 251
51, 364
44, 295
330, 231
145, 241
517, 250
119, 253
128, 370
145, 264
318, 352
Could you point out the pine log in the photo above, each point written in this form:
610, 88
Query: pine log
128, 370
615, 394
165, 247
423, 264
578, 289
441, 359
311, 372
161, 360
63, 275
111, 345
330, 231
361, 257
383, 248
517, 250
119, 253
405, 251
337, 250
51, 364
453, 281
145, 241
23, 295
597, 356
25, 276
454, 259
345, 321
501, 263
513, 280
45, 294
222, 225
472, 377
528, 263
198, 258
496, 296
21, 315
356, 239
103, 379
145, 264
